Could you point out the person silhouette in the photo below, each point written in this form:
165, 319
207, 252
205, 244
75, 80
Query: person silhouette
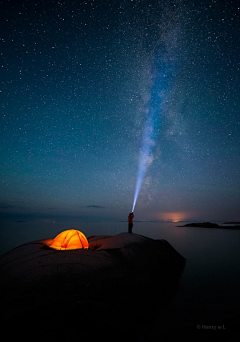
130, 223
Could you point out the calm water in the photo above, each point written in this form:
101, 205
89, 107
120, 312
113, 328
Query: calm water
209, 288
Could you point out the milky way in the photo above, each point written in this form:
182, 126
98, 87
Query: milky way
76, 83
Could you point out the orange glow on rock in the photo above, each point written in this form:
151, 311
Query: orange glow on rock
69, 239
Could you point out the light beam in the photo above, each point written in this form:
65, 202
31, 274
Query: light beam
149, 132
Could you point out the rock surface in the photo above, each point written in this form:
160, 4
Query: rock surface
118, 278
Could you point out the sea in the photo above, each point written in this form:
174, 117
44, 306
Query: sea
208, 299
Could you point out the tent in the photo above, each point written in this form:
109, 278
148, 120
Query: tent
69, 239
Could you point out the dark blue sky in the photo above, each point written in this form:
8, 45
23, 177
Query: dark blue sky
76, 85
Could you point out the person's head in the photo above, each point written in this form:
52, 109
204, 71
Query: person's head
131, 214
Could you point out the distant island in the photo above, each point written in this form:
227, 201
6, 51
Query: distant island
211, 225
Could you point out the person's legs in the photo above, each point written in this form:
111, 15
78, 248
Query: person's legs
130, 226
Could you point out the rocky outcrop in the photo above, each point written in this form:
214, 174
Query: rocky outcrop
209, 225
119, 275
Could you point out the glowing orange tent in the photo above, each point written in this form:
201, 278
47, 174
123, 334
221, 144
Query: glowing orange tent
69, 239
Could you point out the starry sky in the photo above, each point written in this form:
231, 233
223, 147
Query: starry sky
77, 78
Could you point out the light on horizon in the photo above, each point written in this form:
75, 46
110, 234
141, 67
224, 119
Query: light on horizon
175, 216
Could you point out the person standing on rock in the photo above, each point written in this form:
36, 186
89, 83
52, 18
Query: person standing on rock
130, 223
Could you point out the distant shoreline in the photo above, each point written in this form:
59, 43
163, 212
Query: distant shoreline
211, 225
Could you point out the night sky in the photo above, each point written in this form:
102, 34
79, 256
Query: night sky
77, 78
